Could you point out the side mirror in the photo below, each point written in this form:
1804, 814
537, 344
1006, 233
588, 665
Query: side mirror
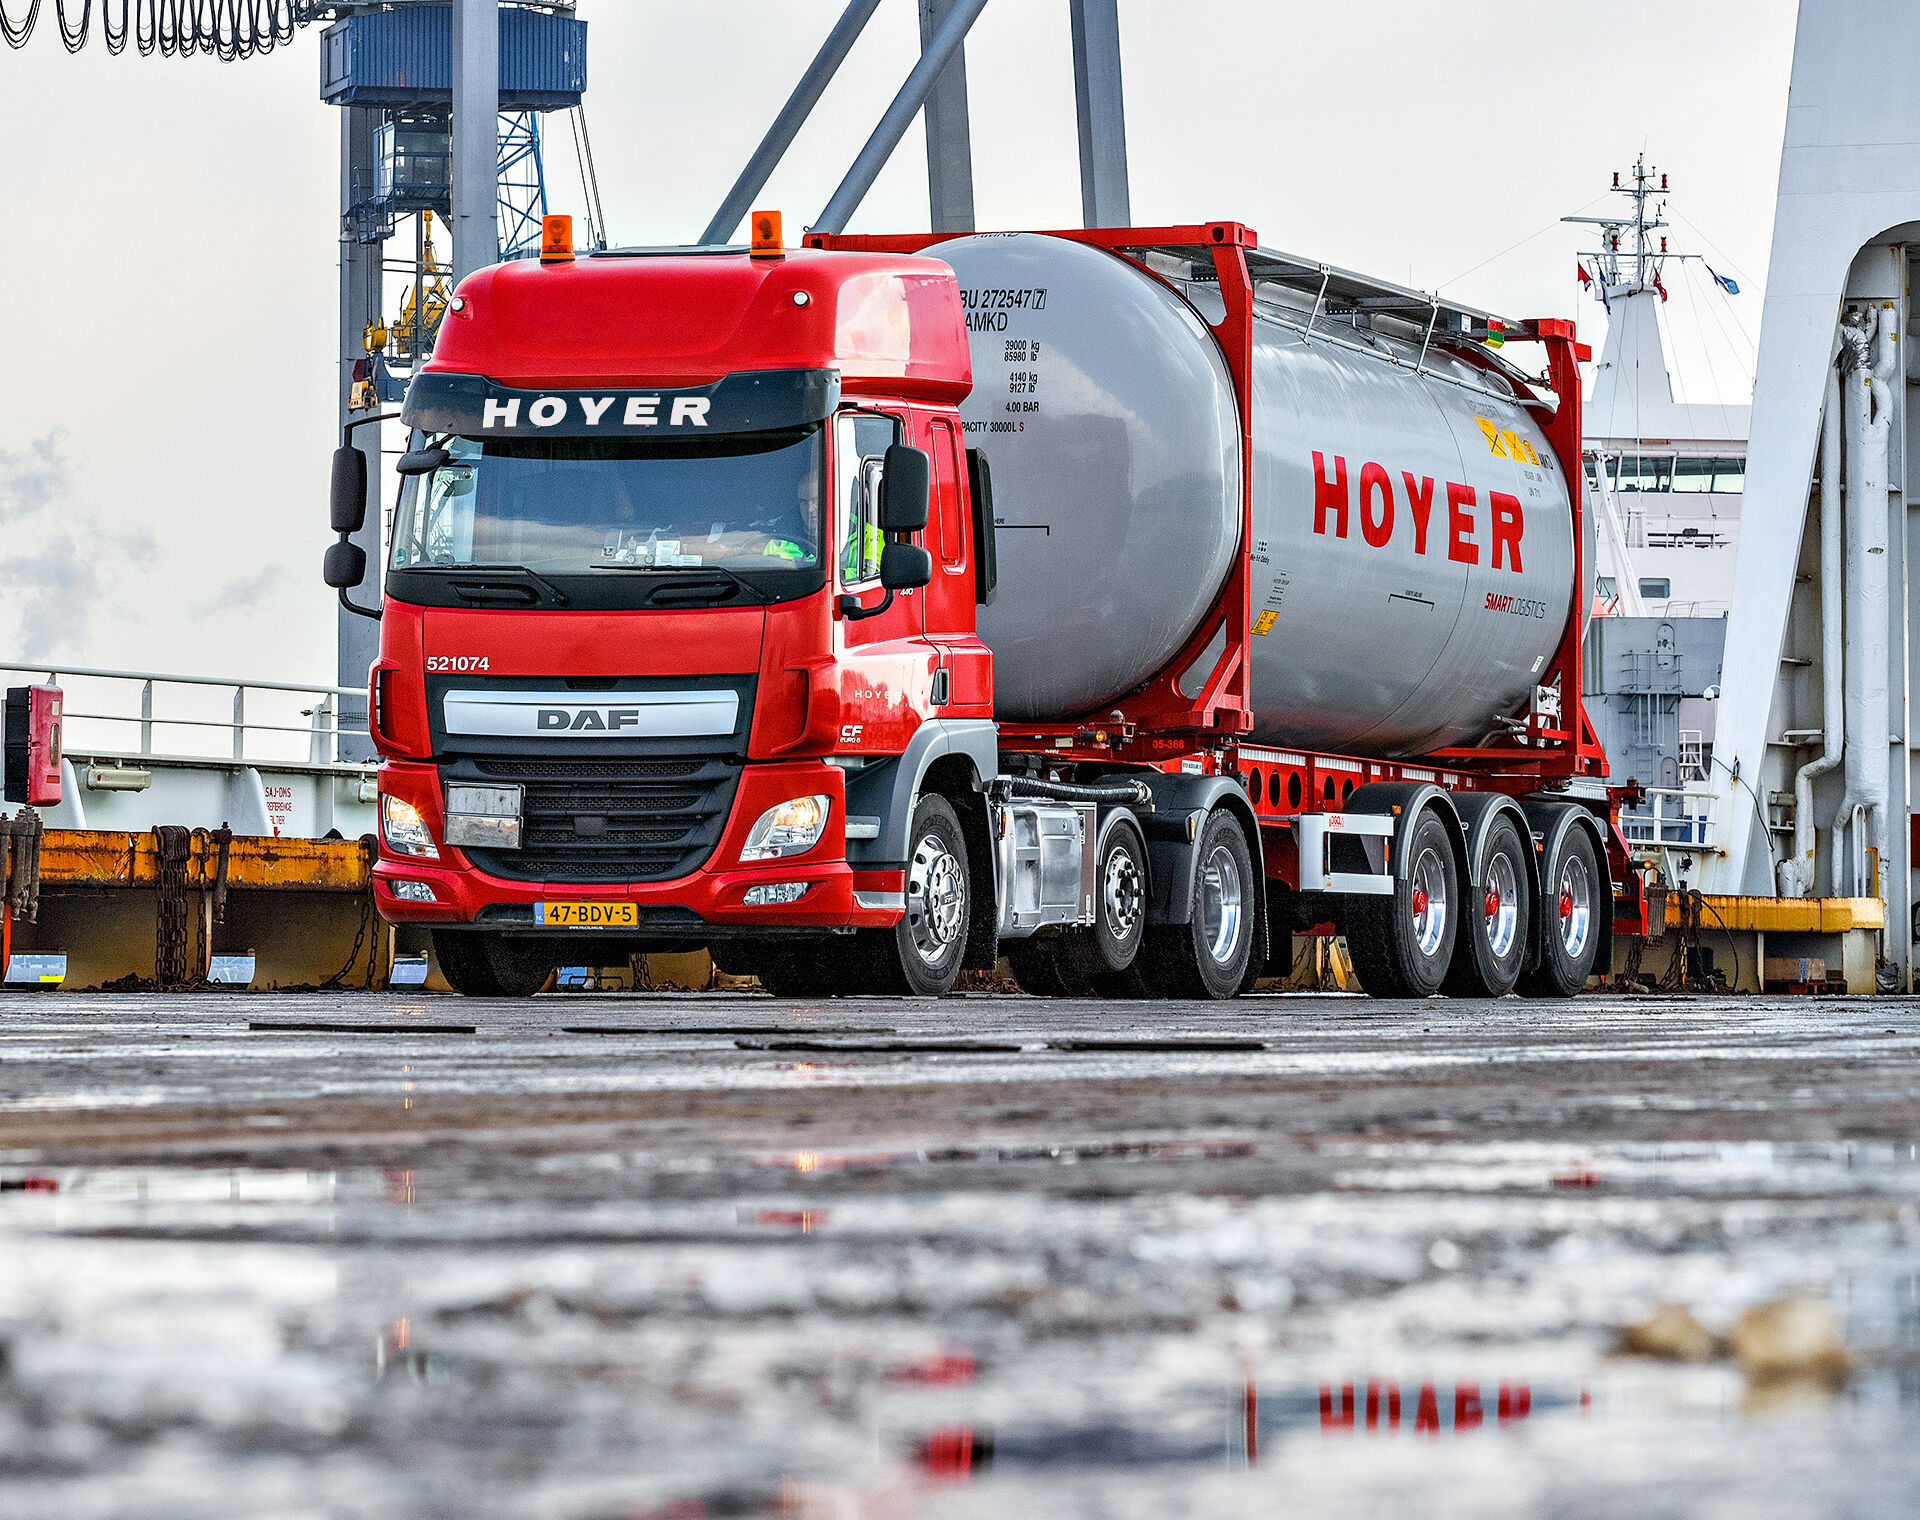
347, 506
905, 566
345, 566
905, 488
422, 461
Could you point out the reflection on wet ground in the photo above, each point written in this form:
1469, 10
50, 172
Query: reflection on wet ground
1351, 1270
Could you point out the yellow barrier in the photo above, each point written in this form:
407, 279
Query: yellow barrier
153, 909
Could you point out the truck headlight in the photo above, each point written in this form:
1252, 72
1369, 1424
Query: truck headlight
405, 829
487, 817
790, 828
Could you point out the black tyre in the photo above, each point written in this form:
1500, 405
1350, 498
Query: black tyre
920, 956
491, 965
1207, 956
1402, 943
1574, 894
1119, 902
1095, 962
1055, 966
1492, 947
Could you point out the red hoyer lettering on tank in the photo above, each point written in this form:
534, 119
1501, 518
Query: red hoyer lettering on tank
1385, 508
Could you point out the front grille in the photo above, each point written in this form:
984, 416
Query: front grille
596, 820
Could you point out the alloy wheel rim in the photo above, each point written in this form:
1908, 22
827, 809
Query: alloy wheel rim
1502, 906
1121, 893
1429, 902
936, 899
1576, 906
1220, 904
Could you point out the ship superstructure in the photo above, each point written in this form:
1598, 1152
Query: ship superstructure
1666, 479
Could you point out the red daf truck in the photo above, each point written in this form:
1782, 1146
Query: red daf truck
1123, 602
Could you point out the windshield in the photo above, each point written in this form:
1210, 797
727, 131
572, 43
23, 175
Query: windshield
589, 506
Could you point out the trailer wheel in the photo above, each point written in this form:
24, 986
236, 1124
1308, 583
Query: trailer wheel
490, 965
1206, 957
1493, 942
1576, 894
920, 956
1402, 943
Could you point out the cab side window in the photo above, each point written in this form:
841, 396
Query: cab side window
861, 442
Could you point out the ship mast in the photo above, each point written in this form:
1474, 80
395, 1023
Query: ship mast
1613, 229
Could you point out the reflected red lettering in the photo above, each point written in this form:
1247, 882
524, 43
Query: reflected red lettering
1515, 1401
1336, 1416
1426, 1414
1373, 1406
1376, 1408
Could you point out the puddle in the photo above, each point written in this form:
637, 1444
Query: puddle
848, 1333
671, 1280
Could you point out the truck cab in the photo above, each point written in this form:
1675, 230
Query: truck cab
678, 632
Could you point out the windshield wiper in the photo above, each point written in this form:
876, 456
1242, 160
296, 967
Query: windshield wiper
475, 588
694, 584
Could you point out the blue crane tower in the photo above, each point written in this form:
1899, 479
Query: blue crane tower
401, 74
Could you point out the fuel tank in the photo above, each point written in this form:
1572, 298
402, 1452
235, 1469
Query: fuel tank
1412, 549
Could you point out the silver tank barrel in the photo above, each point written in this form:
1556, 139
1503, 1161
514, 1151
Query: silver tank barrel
1412, 554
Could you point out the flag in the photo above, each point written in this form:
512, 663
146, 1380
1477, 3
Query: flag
1725, 282
1585, 278
1601, 286
1658, 286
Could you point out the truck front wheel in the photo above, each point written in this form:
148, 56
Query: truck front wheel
920, 956
490, 965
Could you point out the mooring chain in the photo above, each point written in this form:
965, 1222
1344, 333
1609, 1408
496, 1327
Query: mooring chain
369, 852
359, 939
173, 847
226, 29
20, 867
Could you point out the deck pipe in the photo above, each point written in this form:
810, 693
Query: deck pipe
1869, 397
1798, 876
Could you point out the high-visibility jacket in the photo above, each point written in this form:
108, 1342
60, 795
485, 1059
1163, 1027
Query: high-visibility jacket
851, 559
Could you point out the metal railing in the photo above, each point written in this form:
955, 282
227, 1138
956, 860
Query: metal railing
1680, 818
322, 730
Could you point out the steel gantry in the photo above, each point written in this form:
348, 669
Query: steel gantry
937, 88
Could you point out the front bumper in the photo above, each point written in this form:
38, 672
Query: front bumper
708, 902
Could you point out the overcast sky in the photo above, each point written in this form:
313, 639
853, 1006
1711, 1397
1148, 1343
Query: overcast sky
168, 281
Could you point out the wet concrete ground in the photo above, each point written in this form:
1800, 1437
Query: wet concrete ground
705, 1256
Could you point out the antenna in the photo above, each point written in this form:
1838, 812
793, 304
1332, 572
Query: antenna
1642, 222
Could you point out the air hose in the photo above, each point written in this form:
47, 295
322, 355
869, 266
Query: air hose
1062, 791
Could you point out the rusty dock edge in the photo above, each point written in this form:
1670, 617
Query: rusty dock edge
133, 911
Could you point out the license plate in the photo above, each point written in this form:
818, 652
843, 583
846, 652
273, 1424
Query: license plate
587, 915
